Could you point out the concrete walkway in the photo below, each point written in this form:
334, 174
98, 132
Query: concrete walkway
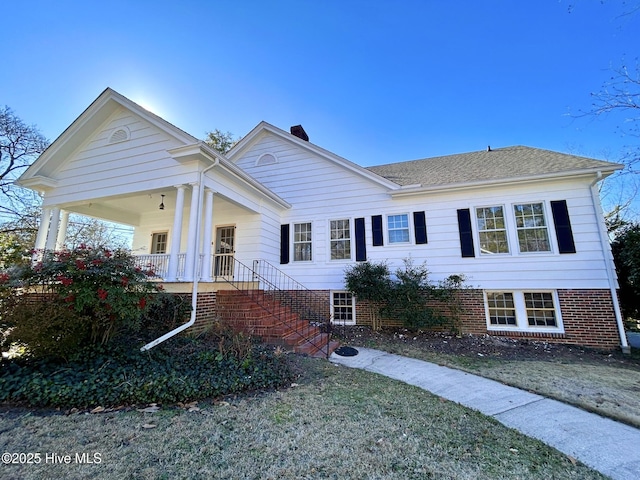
609, 447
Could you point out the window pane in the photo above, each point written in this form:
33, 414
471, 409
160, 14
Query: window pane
501, 308
159, 243
340, 239
533, 235
398, 227
343, 307
492, 230
302, 244
540, 309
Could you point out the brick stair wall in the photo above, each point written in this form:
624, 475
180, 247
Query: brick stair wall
257, 314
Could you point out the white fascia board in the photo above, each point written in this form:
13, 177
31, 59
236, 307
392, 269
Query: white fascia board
452, 187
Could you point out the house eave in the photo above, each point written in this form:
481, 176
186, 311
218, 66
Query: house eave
413, 190
38, 183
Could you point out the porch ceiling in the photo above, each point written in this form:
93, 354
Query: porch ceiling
126, 209
130, 209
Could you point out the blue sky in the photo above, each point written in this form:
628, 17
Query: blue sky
372, 81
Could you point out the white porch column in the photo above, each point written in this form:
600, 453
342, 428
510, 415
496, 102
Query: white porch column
41, 237
205, 274
176, 234
53, 229
192, 241
62, 230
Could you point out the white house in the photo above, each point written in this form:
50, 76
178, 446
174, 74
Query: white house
523, 225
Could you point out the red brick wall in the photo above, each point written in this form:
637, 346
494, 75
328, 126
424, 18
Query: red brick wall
588, 317
205, 311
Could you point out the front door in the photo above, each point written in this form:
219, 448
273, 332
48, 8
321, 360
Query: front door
225, 248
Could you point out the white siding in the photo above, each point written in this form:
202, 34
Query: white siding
118, 168
321, 190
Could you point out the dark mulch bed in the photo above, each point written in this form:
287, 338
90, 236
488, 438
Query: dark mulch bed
483, 345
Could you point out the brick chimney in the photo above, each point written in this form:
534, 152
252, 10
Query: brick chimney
299, 132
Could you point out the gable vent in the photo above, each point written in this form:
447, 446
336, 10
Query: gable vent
120, 135
266, 159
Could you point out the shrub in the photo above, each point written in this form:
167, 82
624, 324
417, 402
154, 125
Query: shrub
410, 297
74, 297
163, 314
179, 370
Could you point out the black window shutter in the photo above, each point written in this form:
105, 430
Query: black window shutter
376, 227
361, 244
564, 234
420, 227
466, 234
284, 243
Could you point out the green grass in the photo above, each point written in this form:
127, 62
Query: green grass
337, 423
607, 387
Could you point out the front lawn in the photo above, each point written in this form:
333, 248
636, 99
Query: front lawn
333, 422
606, 383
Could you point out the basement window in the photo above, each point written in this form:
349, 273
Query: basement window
533, 311
343, 308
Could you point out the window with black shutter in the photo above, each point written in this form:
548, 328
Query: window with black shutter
466, 234
564, 234
376, 229
420, 227
284, 244
361, 244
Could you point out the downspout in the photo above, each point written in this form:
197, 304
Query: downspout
196, 258
611, 275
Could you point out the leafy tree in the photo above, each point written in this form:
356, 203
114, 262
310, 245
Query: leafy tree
220, 141
626, 254
20, 145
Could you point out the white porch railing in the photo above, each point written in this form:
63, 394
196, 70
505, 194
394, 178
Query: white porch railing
157, 263
221, 265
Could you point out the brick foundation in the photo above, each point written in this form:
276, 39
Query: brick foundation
205, 312
588, 317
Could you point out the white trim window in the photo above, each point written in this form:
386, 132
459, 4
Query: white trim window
492, 230
501, 309
398, 228
340, 244
534, 311
343, 308
159, 242
531, 226
302, 242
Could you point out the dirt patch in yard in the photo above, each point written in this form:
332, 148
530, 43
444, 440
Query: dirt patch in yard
604, 382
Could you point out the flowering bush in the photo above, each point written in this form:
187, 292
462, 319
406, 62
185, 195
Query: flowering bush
74, 297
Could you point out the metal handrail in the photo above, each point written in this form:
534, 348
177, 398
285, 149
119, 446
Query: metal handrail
279, 294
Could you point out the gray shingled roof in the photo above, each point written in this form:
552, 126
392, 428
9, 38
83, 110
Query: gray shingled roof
498, 164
